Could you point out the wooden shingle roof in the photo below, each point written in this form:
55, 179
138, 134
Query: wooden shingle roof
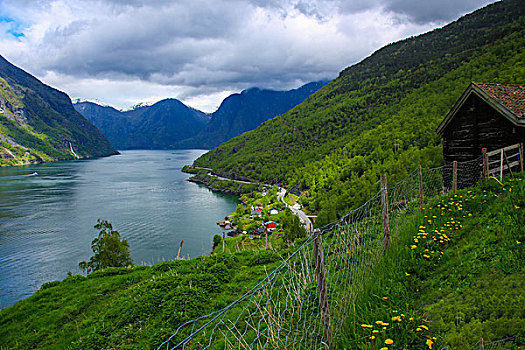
508, 99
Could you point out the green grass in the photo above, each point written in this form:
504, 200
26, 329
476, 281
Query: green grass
130, 308
452, 276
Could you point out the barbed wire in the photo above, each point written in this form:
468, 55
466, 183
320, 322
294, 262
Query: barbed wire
285, 309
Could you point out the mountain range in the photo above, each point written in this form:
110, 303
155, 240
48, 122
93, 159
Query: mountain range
159, 126
38, 123
170, 124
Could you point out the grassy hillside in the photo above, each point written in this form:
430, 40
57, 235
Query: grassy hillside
38, 123
455, 272
454, 275
380, 115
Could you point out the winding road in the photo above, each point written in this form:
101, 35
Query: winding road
298, 212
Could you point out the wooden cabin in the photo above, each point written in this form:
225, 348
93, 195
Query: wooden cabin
490, 116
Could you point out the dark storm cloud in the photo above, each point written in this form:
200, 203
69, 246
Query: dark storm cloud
417, 11
207, 46
433, 11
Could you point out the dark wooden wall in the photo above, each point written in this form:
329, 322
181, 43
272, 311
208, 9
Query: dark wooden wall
475, 126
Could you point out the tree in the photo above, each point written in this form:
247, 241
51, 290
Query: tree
109, 249
293, 228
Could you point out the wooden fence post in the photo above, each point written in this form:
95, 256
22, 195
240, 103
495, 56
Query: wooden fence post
322, 288
521, 156
455, 176
501, 167
420, 178
180, 249
485, 163
386, 218
223, 242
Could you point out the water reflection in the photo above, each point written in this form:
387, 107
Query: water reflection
47, 213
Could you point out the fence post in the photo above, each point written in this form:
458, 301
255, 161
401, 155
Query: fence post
322, 288
501, 167
420, 178
521, 156
386, 219
180, 249
223, 242
455, 176
485, 164
481, 344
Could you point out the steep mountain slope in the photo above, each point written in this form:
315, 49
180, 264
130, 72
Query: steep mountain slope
171, 124
378, 116
242, 112
161, 125
38, 123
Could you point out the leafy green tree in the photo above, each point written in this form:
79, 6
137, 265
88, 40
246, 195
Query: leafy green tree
110, 250
293, 228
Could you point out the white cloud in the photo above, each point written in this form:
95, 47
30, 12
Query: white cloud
124, 52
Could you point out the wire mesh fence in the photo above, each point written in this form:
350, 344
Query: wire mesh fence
301, 304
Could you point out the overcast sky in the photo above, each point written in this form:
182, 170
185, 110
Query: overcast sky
122, 52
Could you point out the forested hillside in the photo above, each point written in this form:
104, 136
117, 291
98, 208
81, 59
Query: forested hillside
380, 115
242, 112
38, 123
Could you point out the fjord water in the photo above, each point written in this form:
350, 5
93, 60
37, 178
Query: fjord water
47, 214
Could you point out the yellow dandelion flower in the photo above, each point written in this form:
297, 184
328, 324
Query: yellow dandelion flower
411, 319
518, 242
418, 329
385, 298
413, 246
372, 337
424, 327
375, 331
407, 274
429, 343
384, 348
389, 341
379, 322
367, 326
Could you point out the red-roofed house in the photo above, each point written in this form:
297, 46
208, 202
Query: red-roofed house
490, 116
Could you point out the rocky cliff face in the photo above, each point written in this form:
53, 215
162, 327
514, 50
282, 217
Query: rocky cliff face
38, 123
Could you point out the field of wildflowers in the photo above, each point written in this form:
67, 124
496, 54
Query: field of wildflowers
454, 274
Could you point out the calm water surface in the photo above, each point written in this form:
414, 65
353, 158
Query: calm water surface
47, 214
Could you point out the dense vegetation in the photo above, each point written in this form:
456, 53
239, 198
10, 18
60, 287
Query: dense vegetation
380, 115
246, 111
39, 123
452, 275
